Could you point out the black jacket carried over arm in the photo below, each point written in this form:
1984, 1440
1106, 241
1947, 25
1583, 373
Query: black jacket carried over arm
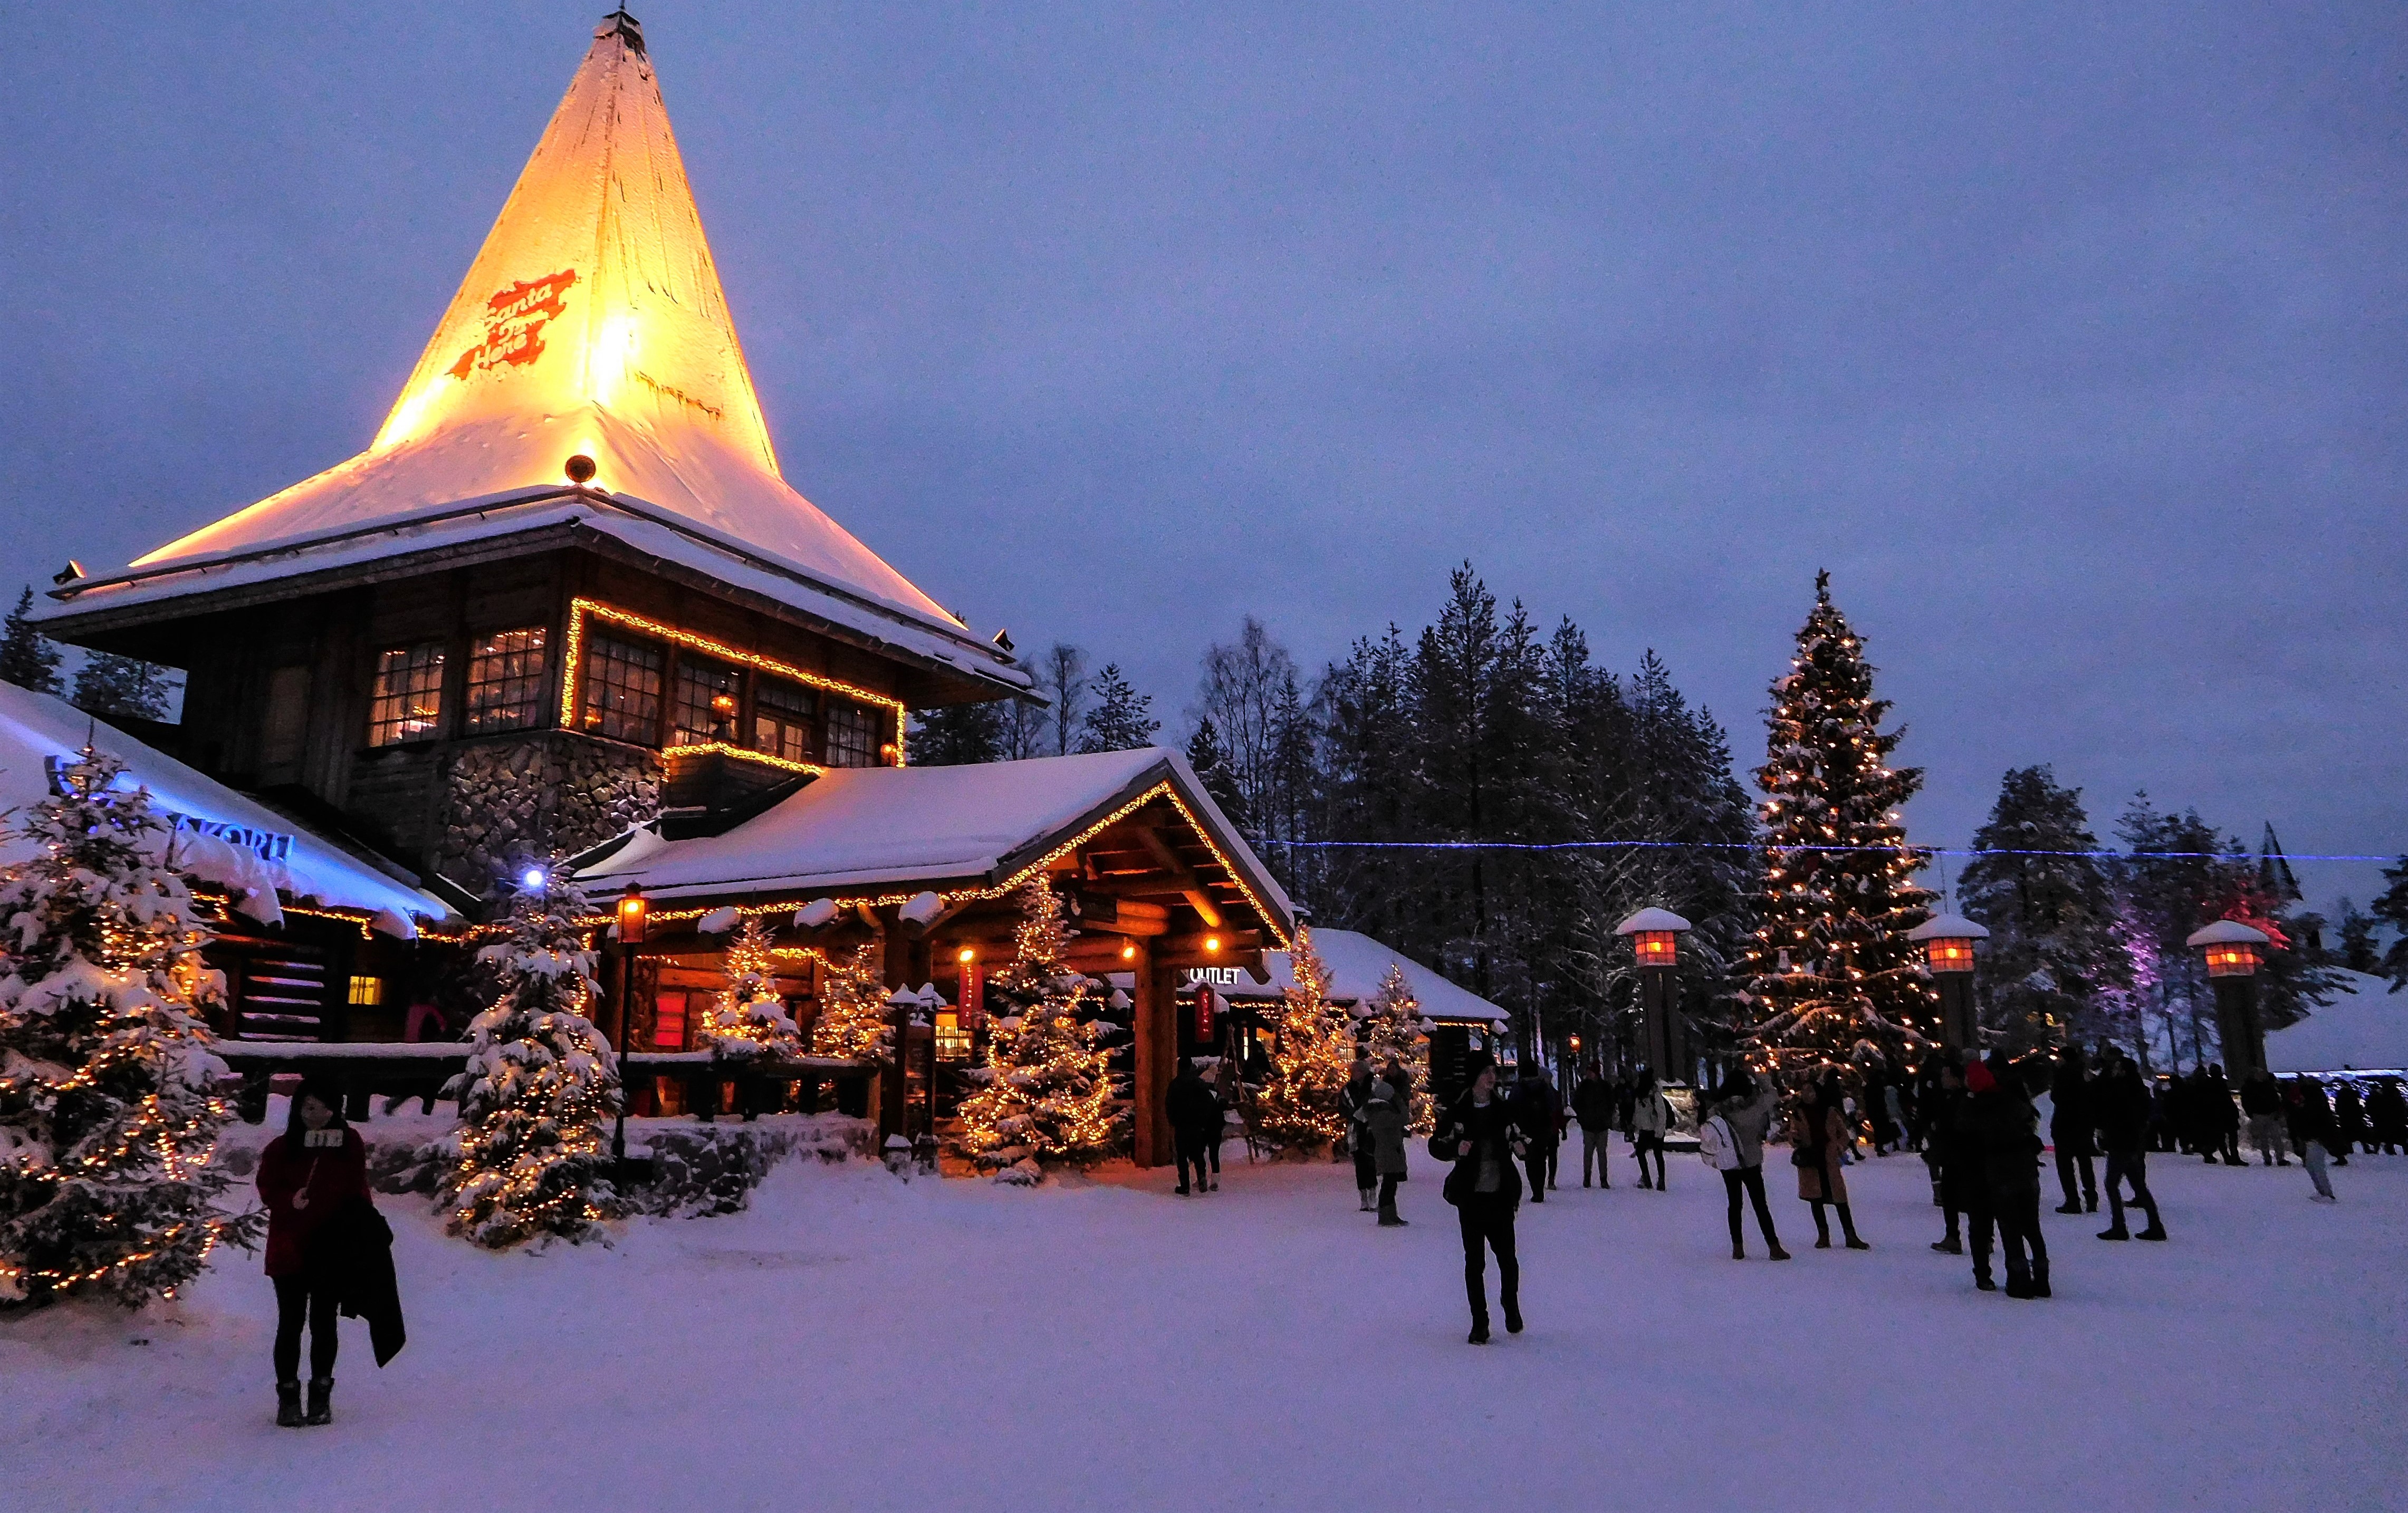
353, 1252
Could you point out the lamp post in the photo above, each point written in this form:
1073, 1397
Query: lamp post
632, 910
2234, 953
1655, 942
1947, 941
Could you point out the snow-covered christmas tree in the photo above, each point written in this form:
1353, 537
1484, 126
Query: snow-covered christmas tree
1832, 975
2055, 968
748, 1018
1311, 1059
852, 1024
108, 1115
1397, 1028
1046, 1092
540, 1082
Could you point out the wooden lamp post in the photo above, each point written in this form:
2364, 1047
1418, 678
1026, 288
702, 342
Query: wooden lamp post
1947, 941
2234, 953
1656, 941
632, 913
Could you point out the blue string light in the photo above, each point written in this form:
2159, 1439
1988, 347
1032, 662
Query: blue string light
1760, 846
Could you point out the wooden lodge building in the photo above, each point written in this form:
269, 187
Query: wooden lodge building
565, 604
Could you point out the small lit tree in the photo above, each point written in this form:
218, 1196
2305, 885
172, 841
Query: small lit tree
852, 1024
539, 1084
1311, 1059
748, 1018
1397, 1028
107, 1112
1046, 1092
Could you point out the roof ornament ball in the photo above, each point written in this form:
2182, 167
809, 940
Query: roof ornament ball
579, 468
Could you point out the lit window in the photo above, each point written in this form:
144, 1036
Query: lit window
852, 735
622, 690
706, 702
366, 992
407, 702
506, 680
782, 719
952, 1041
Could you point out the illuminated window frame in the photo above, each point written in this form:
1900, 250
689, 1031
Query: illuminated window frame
700, 683
505, 678
848, 734
580, 609
366, 992
785, 716
406, 700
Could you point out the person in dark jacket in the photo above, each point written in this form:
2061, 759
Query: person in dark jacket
1479, 1135
1352, 1100
1538, 1110
2221, 1119
2349, 1121
2387, 1117
2311, 1126
1384, 1118
2069, 1130
2261, 1103
1964, 1191
2121, 1105
2010, 1147
306, 1175
1193, 1110
1594, 1102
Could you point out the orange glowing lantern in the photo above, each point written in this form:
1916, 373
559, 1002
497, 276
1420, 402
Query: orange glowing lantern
2233, 949
631, 915
1654, 936
1948, 942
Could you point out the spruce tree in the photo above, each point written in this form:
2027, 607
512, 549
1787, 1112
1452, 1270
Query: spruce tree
1045, 1095
1835, 977
748, 1018
1397, 1028
1212, 764
852, 1023
1122, 718
26, 657
2357, 950
2392, 908
2053, 959
1311, 1057
121, 687
107, 1117
540, 1082
961, 735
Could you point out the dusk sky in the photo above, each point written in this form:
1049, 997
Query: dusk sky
2073, 342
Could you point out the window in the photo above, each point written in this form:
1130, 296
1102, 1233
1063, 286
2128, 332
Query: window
952, 1041
782, 719
668, 1021
406, 703
852, 735
366, 992
287, 717
706, 702
506, 680
623, 688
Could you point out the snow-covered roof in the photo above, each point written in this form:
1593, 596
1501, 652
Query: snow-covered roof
2365, 1028
898, 829
1651, 920
592, 325
1948, 927
223, 838
2229, 932
1357, 965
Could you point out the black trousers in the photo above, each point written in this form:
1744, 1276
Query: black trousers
2020, 1245
1641, 1145
2066, 1161
1750, 1179
1487, 1224
1541, 1165
1213, 1150
1979, 1225
2129, 1166
295, 1301
1389, 1196
1191, 1154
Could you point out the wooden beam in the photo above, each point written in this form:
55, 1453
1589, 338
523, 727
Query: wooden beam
1155, 1020
1189, 883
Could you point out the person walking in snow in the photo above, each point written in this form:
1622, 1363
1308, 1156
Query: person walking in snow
1478, 1134
2070, 1122
2010, 1147
1818, 1132
307, 1177
1540, 1112
2310, 1123
2387, 1117
1384, 1114
2223, 1118
1746, 1110
2121, 1105
1651, 1116
2261, 1104
1352, 1101
1593, 1106
1193, 1111
2349, 1121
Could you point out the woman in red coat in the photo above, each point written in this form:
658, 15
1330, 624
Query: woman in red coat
310, 1171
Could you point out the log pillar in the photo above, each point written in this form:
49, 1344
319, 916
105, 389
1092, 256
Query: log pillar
1156, 1023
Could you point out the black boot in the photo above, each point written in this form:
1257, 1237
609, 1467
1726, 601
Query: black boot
287, 1404
2019, 1283
1513, 1315
1479, 1329
322, 1400
1848, 1227
2091, 1203
2039, 1278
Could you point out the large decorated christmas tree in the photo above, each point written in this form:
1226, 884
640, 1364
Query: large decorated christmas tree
1832, 976
1046, 1092
748, 1018
852, 1024
539, 1084
1397, 1028
1311, 1057
107, 1110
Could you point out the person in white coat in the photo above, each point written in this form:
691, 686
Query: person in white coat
1651, 1118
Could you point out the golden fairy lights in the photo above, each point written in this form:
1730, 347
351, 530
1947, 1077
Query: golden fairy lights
850, 1024
748, 1018
1046, 1092
1312, 1056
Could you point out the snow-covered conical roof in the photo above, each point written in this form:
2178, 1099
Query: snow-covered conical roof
592, 323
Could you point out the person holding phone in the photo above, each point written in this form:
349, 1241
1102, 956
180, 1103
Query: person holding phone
1481, 1133
306, 1176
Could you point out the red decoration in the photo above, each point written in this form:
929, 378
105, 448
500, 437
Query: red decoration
1203, 1013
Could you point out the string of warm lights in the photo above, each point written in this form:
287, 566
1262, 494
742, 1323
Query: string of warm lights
1046, 1092
748, 1018
1312, 1055
1397, 1029
852, 1023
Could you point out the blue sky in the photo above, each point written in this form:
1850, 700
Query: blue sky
2071, 340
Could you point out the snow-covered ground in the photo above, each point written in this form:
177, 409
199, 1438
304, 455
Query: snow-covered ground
855, 1342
